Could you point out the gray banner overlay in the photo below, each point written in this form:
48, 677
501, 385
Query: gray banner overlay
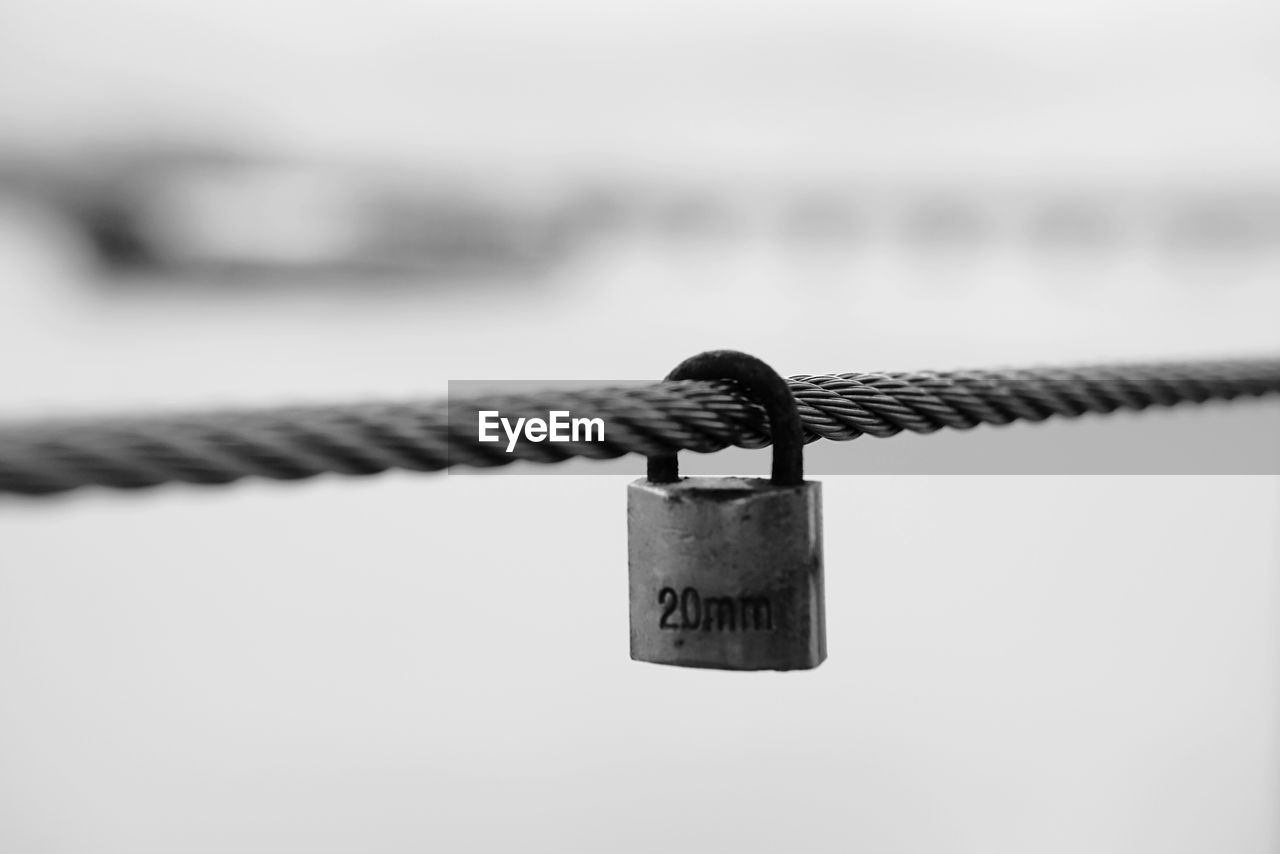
1218, 437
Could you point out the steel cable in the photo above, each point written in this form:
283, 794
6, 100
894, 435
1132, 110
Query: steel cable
297, 442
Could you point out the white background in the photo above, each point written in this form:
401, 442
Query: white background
410, 663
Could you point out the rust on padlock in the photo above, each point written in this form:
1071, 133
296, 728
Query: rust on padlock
726, 572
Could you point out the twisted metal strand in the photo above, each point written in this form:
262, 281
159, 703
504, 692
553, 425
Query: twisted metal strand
298, 442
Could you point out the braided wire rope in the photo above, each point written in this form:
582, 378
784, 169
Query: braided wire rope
296, 442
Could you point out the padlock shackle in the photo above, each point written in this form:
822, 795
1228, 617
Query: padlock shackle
762, 384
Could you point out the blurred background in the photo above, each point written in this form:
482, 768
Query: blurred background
280, 202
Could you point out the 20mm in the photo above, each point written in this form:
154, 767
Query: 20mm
689, 610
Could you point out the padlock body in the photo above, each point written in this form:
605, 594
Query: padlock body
726, 572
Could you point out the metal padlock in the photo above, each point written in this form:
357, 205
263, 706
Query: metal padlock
726, 572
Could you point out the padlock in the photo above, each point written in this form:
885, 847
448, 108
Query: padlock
726, 572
